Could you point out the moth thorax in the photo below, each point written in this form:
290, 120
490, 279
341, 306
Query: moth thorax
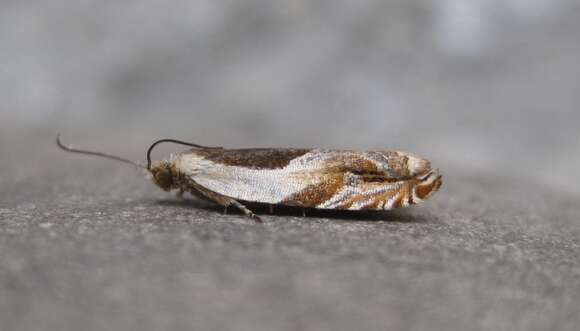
163, 175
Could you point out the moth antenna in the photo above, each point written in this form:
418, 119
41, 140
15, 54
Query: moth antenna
170, 141
107, 156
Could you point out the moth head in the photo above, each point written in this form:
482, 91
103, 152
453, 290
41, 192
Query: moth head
162, 175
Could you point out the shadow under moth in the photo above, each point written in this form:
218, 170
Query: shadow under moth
307, 178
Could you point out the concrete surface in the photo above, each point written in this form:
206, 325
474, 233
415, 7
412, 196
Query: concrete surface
90, 245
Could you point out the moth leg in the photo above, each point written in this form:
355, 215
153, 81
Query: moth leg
179, 193
271, 209
225, 210
303, 212
222, 200
245, 210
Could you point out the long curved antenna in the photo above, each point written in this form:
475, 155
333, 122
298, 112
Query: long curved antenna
170, 141
108, 156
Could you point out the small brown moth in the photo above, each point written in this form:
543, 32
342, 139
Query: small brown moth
307, 178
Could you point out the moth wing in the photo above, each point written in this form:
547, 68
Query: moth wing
325, 179
257, 175
364, 180
355, 191
346, 189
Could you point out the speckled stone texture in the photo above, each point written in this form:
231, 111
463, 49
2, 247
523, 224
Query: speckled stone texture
90, 245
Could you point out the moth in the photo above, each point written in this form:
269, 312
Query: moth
307, 178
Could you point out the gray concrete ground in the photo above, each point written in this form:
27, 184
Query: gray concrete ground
89, 245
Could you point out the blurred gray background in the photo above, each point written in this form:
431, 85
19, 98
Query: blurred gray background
489, 90
478, 85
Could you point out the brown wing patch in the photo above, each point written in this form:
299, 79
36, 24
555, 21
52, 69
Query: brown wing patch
374, 202
351, 201
315, 194
423, 191
255, 158
374, 166
376, 177
404, 193
353, 163
366, 170
399, 202
381, 200
398, 164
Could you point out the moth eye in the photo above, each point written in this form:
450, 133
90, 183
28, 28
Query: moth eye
163, 178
